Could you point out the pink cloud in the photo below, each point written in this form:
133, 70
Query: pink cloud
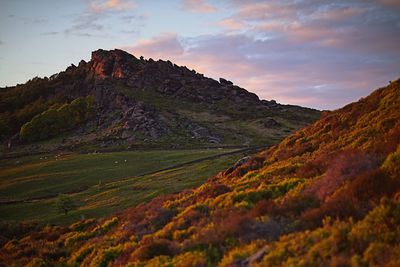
339, 14
199, 6
300, 33
393, 3
265, 10
110, 5
276, 69
165, 46
321, 55
230, 24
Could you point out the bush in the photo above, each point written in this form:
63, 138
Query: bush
392, 163
66, 204
378, 254
151, 248
190, 259
54, 121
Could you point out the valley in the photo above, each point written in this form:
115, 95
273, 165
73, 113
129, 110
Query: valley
101, 183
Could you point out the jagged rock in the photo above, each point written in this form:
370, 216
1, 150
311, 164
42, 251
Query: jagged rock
115, 63
225, 82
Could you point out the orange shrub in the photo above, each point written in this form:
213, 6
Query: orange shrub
151, 248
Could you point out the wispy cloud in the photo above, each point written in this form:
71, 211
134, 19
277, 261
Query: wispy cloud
392, 3
94, 22
230, 24
101, 6
165, 46
85, 24
29, 19
49, 33
133, 18
318, 55
200, 6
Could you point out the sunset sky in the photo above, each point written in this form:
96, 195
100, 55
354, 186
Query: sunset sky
320, 54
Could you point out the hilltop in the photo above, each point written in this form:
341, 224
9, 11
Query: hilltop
326, 195
119, 101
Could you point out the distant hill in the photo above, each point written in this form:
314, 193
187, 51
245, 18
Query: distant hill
118, 101
327, 195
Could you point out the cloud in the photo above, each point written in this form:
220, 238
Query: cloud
340, 13
133, 18
199, 6
165, 46
392, 3
99, 20
310, 75
264, 10
321, 54
50, 33
29, 20
231, 24
134, 32
102, 6
84, 23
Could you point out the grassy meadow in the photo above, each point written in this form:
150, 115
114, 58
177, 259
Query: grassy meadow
100, 184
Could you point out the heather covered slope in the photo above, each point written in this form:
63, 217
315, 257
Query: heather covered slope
118, 101
326, 195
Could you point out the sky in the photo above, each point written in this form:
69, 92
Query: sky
320, 54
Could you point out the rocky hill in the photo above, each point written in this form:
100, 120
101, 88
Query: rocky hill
118, 100
328, 195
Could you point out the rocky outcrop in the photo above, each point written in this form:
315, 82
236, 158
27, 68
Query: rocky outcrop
146, 100
166, 78
125, 116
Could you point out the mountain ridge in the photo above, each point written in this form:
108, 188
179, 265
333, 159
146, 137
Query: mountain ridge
138, 102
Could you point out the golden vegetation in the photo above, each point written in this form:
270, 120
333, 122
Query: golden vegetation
328, 195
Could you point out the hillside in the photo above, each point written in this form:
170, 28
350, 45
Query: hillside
100, 184
119, 101
328, 195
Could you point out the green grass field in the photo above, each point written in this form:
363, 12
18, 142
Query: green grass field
101, 184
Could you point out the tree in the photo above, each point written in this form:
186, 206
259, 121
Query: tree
65, 203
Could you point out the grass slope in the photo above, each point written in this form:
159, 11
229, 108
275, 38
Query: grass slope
100, 183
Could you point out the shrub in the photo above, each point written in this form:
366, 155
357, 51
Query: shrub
392, 163
227, 225
212, 190
241, 253
54, 121
151, 248
80, 255
263, 207
190, 259
106, 255
378, 254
